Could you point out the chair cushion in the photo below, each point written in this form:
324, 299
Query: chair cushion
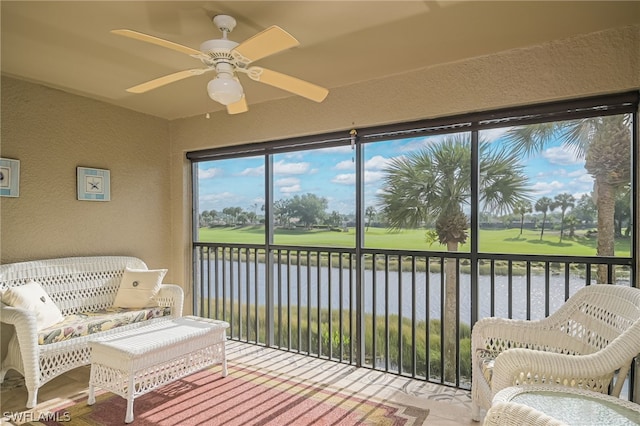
93, 322
486, 360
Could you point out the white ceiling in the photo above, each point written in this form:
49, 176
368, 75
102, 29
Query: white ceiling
67, 45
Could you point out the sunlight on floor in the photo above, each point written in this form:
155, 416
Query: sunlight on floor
448, 406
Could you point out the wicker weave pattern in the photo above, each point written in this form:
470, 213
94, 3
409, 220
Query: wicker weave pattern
514, 414
76, 285
133, 363
506, 411
581, 345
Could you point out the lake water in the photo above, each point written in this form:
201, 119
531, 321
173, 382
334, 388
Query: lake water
395, 291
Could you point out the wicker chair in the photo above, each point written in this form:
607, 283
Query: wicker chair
587, 343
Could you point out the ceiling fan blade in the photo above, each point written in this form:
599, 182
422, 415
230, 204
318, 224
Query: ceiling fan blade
161, 81
158, 41
268, 42
288, 83
238, 107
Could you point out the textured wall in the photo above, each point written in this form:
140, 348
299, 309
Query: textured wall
51, 133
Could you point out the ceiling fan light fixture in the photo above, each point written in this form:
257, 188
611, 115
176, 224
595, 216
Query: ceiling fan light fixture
225, 89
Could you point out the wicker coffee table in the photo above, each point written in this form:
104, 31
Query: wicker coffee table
139, 361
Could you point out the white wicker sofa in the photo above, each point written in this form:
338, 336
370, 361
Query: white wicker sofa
84, 290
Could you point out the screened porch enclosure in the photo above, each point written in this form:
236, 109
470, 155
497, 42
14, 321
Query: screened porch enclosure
368, 272
396, 302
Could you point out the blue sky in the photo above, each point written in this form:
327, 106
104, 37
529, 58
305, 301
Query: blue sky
330, 173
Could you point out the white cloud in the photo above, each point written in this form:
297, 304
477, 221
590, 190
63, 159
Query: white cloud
210, 173
371, 176
344, 179
290, 189
219, 197
377, 162
282, 167
579, 173
288, 181
350, 178
561, 157
545, 188
584, 178
253, 171
345, 165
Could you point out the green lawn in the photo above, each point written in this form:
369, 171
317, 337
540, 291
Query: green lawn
491, 241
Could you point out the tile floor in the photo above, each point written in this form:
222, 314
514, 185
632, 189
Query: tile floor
448, 406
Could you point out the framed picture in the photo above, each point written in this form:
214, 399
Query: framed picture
9, 177
93, 184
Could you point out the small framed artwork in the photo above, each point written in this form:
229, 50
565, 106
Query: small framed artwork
9, 177
93, 184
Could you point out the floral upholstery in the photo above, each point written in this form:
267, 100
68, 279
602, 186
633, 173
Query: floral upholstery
486, 360
93, 322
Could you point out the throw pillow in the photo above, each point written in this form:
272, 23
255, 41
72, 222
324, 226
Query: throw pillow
32, 297
138, 288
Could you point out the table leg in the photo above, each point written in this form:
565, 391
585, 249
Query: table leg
224, 366
92, 396
130, 397
129, 417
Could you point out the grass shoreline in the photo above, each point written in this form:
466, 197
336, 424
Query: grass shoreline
490, 240
508, 240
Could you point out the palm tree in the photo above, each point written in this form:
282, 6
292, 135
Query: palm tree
564, 201
544, 205
435, 184
622, 213
571, 221
605, 144
521, 209
370, 212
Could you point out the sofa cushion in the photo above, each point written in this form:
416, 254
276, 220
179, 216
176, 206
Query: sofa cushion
138, 288
32, 297
94, 322
486, 360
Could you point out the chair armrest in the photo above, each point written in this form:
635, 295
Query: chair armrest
527, 366
171, 295
500, 334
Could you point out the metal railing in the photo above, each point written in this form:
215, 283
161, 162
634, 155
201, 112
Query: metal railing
383, 309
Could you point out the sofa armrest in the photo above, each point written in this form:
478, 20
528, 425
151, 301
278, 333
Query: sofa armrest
26, 330
171, 295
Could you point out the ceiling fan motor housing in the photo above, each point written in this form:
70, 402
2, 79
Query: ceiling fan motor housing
217, 51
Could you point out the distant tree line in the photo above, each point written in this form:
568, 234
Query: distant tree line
562, 212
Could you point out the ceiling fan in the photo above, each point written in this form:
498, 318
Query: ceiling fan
226, 58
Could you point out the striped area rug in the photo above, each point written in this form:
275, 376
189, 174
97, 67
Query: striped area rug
247, 396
